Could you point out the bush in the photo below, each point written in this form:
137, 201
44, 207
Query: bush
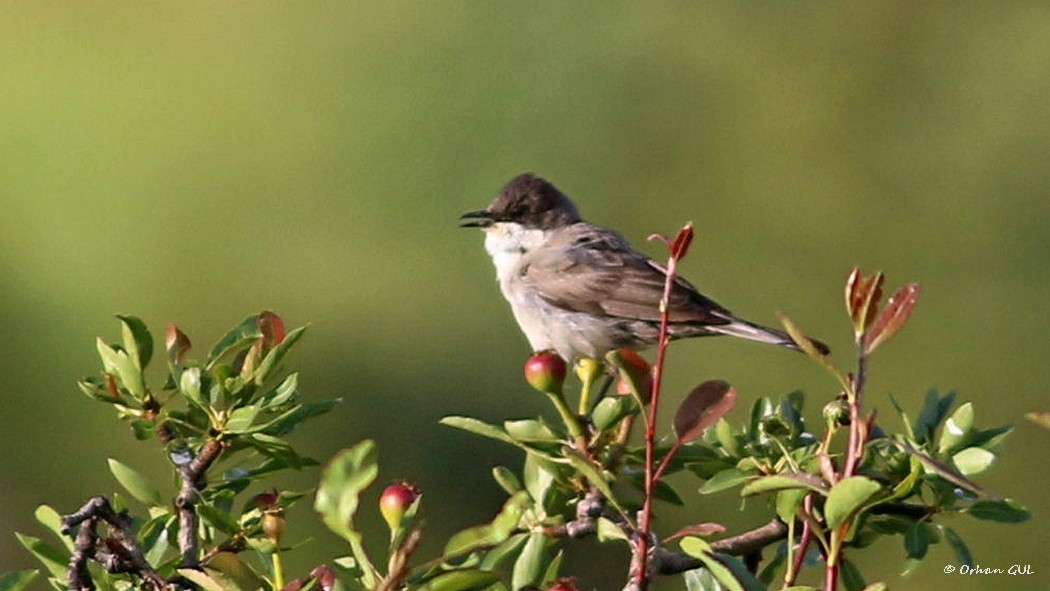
829, 491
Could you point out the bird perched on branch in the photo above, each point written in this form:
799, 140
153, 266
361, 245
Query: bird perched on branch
580, 289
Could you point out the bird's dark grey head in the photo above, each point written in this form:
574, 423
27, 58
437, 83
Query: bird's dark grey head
528, 200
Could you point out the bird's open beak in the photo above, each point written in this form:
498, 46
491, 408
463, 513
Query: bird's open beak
476, 219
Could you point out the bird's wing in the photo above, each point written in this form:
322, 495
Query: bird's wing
590, 269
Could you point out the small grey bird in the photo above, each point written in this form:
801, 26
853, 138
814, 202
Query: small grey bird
580, 289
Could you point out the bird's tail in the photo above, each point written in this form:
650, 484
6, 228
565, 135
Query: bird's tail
763, 334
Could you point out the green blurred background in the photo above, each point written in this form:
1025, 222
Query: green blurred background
198, 163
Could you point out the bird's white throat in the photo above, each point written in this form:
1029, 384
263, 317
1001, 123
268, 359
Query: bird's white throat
508, 244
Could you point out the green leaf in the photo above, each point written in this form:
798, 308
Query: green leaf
782, 482
553, 569
137, 485
593, 475
940, 469
241, 419
507, 480
18, 580
907, 484
611, 410
876, 586
153, 537
119, 365
1001, 510
851, 577
725, 479
277, 449
703, 407
228, 569
506, 521
477, 427
218, 518
137, 340
509, 548
284, 392
205, 580
239, 336
290, 419
54, 560
490, 534
665, 492
990, 439
847, 497
973, 460
788, 503
934, 409
539, 477
271, 364
700, 579
52, 520
531, 430
470, 539
530, 566
962, 551
190, 386
761, 408
350, 472
461, 580
609, 531
916, 545
727, 570
956, 429
729, 438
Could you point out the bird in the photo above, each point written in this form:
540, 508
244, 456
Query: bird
581, 290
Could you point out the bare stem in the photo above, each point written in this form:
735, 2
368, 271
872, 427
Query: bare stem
193, 478
639, 572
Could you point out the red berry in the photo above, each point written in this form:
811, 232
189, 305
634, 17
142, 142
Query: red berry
395, 501
563, 584
546, 372
265, 500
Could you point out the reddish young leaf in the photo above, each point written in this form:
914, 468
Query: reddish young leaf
682, 242
325, 577
272, 327
707, 403
893, 317
862, 299
700, 530
177, 344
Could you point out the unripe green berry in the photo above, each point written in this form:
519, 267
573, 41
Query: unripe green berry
836, 413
